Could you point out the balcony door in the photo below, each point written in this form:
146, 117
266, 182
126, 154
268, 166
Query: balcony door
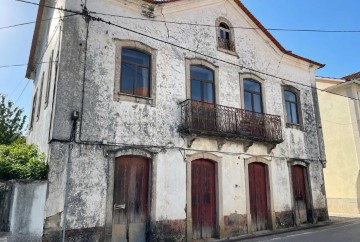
203, 98
253, 120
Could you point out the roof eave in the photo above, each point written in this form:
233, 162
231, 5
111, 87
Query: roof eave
31, 64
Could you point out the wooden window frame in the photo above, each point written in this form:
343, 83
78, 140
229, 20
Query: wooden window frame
252, 93
33, 110
40, 96
137, 46
202, 82
218, 22
256, 78
297, 93
137, 66
208, 65
49, 75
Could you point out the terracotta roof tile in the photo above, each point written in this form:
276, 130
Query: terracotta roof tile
353, 76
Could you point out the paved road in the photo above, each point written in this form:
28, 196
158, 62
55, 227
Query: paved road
342, 231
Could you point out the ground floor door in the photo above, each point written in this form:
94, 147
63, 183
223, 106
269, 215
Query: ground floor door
203, 199
131, 199
299, 179
259, 198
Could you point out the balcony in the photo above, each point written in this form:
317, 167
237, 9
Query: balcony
226, 44
220, 121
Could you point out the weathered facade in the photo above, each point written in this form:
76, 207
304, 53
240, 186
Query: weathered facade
173, 132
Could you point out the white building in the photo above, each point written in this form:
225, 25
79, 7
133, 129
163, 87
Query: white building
144, 122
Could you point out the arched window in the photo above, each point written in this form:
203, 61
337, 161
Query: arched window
291, 105
202, 84
253, 96
135, 72
225, 32
225, 35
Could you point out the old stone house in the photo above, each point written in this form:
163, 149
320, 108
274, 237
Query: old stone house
172, 121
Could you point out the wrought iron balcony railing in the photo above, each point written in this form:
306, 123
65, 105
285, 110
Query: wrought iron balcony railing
226, 44
221, 121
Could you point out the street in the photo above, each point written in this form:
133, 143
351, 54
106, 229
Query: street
341, 230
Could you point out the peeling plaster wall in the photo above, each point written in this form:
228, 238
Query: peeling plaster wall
140, 124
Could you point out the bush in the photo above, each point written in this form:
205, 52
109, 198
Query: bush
22, 161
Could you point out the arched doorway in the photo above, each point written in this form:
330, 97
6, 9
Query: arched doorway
130, 198
203, 199
301, 196
259, 196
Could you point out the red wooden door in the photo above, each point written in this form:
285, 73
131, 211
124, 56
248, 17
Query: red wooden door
131, 199
203, 199
258, 187
299, 179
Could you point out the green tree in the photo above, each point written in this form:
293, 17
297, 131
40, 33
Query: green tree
22, 161
12, 121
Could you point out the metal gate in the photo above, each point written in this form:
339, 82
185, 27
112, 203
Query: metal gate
258, 189
299, 179
203, 199
131, 199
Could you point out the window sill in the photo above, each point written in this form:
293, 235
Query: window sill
134, 98
294, 126
230, 52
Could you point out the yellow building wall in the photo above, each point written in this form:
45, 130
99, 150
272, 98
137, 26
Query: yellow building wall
342, 170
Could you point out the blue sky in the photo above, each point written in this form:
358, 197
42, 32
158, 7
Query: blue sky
340, 52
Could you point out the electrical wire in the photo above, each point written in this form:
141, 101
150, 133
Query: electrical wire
47, 46
98, 19
234, 27
72, 139
197, 24
33, 22
19, 65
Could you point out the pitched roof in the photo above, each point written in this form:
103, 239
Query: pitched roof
238, 2
353, 76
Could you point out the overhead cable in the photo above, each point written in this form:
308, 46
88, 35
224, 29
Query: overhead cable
98, 19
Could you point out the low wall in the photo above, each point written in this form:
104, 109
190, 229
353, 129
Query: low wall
22, 209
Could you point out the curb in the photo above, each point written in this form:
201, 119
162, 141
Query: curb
274, 232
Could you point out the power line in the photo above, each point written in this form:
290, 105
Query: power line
196, 24
234, 27
33, 22
166, 147
98, 19
19, 65
212, 57
53, 34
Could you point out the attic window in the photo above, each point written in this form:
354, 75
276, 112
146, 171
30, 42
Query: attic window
225, 35
224, 32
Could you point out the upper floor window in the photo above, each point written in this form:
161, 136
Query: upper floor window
135, 72
291, 105
40, 96
253, 96
49, 75
225, 35
202, 84
33, 109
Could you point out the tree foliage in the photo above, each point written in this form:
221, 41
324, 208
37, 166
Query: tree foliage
22, 161
12, 121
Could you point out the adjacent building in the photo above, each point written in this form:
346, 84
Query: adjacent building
340, 118
172, 121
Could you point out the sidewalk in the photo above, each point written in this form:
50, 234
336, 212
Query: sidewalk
333, 221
